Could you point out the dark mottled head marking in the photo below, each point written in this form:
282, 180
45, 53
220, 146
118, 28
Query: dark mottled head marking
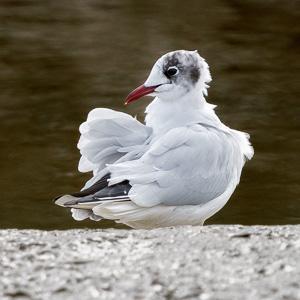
187, 64
195, 74
171, 61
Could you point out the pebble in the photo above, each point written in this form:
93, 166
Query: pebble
211, 262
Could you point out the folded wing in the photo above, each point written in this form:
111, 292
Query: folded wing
187, 166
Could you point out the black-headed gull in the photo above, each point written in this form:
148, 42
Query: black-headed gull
180, 168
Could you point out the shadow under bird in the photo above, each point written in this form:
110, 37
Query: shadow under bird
179, 168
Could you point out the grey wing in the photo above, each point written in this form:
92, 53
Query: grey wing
188, 166
109, 136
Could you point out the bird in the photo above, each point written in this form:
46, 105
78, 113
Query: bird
177, 168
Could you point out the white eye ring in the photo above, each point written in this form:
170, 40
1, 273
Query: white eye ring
172, 71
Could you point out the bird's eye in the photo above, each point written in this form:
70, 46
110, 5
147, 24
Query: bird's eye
171, 71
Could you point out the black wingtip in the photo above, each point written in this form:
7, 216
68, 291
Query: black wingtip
97, 186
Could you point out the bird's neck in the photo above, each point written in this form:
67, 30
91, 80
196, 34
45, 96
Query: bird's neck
163, 115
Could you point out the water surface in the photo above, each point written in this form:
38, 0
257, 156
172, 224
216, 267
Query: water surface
60, 59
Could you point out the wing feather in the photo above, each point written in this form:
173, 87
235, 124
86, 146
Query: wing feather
108, 136
187, 166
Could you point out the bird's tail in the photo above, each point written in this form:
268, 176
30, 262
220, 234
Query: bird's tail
82, 203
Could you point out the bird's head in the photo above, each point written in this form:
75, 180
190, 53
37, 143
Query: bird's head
174, 75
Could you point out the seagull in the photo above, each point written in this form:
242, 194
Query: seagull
179, 168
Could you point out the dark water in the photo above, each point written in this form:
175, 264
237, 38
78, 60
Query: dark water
60, 59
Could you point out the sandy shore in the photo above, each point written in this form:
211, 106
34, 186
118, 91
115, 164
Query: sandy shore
210, 262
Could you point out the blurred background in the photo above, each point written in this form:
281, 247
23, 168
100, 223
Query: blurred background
60, 59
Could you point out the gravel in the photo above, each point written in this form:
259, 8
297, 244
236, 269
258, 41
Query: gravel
210, 262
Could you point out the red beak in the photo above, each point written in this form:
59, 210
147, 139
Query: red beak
139, 92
